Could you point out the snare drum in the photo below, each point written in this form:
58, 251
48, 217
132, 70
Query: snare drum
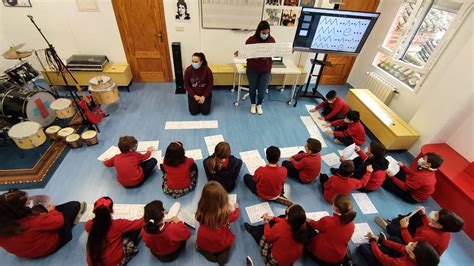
52, 132
65, 132
90, 137
74, 140
103, 90
22, 73
63, 108
27, 135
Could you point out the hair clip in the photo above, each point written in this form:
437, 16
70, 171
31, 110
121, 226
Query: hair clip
179, 143
151, 221
103, 202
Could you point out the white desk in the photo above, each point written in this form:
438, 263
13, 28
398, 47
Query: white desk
289, 69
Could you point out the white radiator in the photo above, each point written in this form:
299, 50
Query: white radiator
381, 88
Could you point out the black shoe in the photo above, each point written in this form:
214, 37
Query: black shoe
333, 171
248, 228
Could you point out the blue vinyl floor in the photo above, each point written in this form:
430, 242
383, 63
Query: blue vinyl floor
148, 106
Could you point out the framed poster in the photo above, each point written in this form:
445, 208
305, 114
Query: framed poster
16, 3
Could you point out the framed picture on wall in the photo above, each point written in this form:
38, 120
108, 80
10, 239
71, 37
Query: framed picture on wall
182, 11
16, 3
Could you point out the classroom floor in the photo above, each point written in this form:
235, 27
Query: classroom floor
148, 106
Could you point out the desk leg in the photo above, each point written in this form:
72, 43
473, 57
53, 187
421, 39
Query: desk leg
238, 90
284, 82
292, 95
233, 82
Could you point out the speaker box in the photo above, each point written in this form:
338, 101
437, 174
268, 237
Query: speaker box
178, 67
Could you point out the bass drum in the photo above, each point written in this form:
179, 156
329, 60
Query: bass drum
22, 104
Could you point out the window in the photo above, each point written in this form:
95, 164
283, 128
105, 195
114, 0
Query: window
419, 33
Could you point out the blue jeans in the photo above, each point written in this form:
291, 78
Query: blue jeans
258, 81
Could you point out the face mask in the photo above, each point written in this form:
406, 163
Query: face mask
433, 216
264, 36
330, 101
196, 65
421, 161
347, 120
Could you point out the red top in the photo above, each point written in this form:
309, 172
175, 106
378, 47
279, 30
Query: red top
40, 239
168, 240
270, 181
343, 185
339, 106
355, 130
331, 242
216, 240
308, 164
261, 65
420, 183
113, 253
198, 81
376, 178
389, 261
127, 165
178, 177
437, 238
285, 250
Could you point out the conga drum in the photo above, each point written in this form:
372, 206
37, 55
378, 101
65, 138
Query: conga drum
103, 90
74, 140
65, 132
90, 137
27, 135
63, 108
52, 132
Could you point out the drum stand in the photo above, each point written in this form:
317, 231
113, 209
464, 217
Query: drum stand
64, 71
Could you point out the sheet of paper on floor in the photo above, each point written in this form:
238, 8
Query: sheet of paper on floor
331, 159
212, 141
256, 212
349, 152
355, 155
232, 200
173, 211
361, 230
195, 154
143, 145
109, 153
287, 152
191, 124
364, 203
252, 160
315, 116
188, 218
316, 215
313, 129
121, 211
393, 166
158, 156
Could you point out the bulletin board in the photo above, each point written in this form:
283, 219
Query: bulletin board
231, 14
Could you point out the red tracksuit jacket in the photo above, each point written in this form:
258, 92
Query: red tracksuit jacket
168, 240
308, 164
178, 177
389, 261
270, 181
343, 185
355, 130
420, 183
285, 250
127, 165
216, 240
376, 178
339, 106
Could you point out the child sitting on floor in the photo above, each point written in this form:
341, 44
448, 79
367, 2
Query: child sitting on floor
348, 130
334, 107
222, 167
305, 166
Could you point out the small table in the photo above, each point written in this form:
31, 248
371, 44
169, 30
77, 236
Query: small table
289, 69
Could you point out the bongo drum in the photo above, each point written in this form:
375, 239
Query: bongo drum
90, 137
52, 132
74, 140
63, 108
65, 132
103, 90
27, 135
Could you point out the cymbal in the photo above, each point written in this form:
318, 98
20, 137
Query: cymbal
13, 53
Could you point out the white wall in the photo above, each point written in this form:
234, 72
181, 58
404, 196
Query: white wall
70, 31
445, 90
462, 134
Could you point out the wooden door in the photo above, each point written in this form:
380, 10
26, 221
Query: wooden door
342, 64
143, 31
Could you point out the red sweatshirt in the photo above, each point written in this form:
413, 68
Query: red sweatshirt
331, 243
216, 240
355, 130
168, 240
339, 106
285, 250
437, 238
260, 65
198, 81
308, 164
40, 239
343, 185
389, 261
113, 253
270, 181
127, 165
178, 177
420, 183
376, 178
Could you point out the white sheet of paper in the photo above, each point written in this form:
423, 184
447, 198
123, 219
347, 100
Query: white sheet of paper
232, 201
188, 218
265, 50
315, 116
349, 152
195, 154
191, 124
313, 129
143, 145
413, 213
212, 141
361, 230
252, 160
364, 203
287, 152
393, 166
157, 155
355, 155
316, 215
255, 212
331, 159
121, 211
109, 153
173, 211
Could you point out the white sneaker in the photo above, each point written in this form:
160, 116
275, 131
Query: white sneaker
253, 108
259, 109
